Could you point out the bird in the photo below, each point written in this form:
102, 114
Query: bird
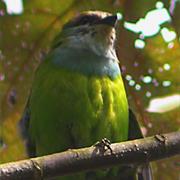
78, 95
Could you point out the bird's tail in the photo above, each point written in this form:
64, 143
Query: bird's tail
144, 172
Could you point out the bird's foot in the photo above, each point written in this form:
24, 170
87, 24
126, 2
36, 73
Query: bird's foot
104, 145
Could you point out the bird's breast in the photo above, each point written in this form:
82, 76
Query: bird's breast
77, 108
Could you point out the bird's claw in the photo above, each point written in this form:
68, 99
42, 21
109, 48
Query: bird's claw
104, 145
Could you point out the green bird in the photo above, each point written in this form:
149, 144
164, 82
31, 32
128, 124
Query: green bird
78, 96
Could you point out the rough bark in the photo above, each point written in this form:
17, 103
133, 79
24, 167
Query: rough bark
94, 157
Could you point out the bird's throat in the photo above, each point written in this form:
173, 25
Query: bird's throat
84, 61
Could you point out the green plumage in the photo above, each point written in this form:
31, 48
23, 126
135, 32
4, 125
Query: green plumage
70, 109
78, 96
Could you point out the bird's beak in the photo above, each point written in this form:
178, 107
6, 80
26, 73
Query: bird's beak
109, 20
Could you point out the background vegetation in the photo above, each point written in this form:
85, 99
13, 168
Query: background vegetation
149, 60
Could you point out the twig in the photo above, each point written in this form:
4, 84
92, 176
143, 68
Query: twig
77, 160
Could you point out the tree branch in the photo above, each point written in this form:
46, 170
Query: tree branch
94, 157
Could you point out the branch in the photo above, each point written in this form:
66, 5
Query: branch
94, 157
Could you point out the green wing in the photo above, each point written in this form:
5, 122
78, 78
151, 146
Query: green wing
24, 130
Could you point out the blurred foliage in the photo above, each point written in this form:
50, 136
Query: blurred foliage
24, 42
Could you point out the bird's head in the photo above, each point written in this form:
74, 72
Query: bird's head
92, 30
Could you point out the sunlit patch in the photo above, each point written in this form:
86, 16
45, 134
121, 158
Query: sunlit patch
128, 77
149, 125
119, 16
170, 45
150, 25
150, 71
148, 94
159, 5
164, 104
166, 83
147, 79
166, 67
139, 44
14, 6
168, 35
132, 82
137, 87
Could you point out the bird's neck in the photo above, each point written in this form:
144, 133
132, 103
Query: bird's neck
84, 61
